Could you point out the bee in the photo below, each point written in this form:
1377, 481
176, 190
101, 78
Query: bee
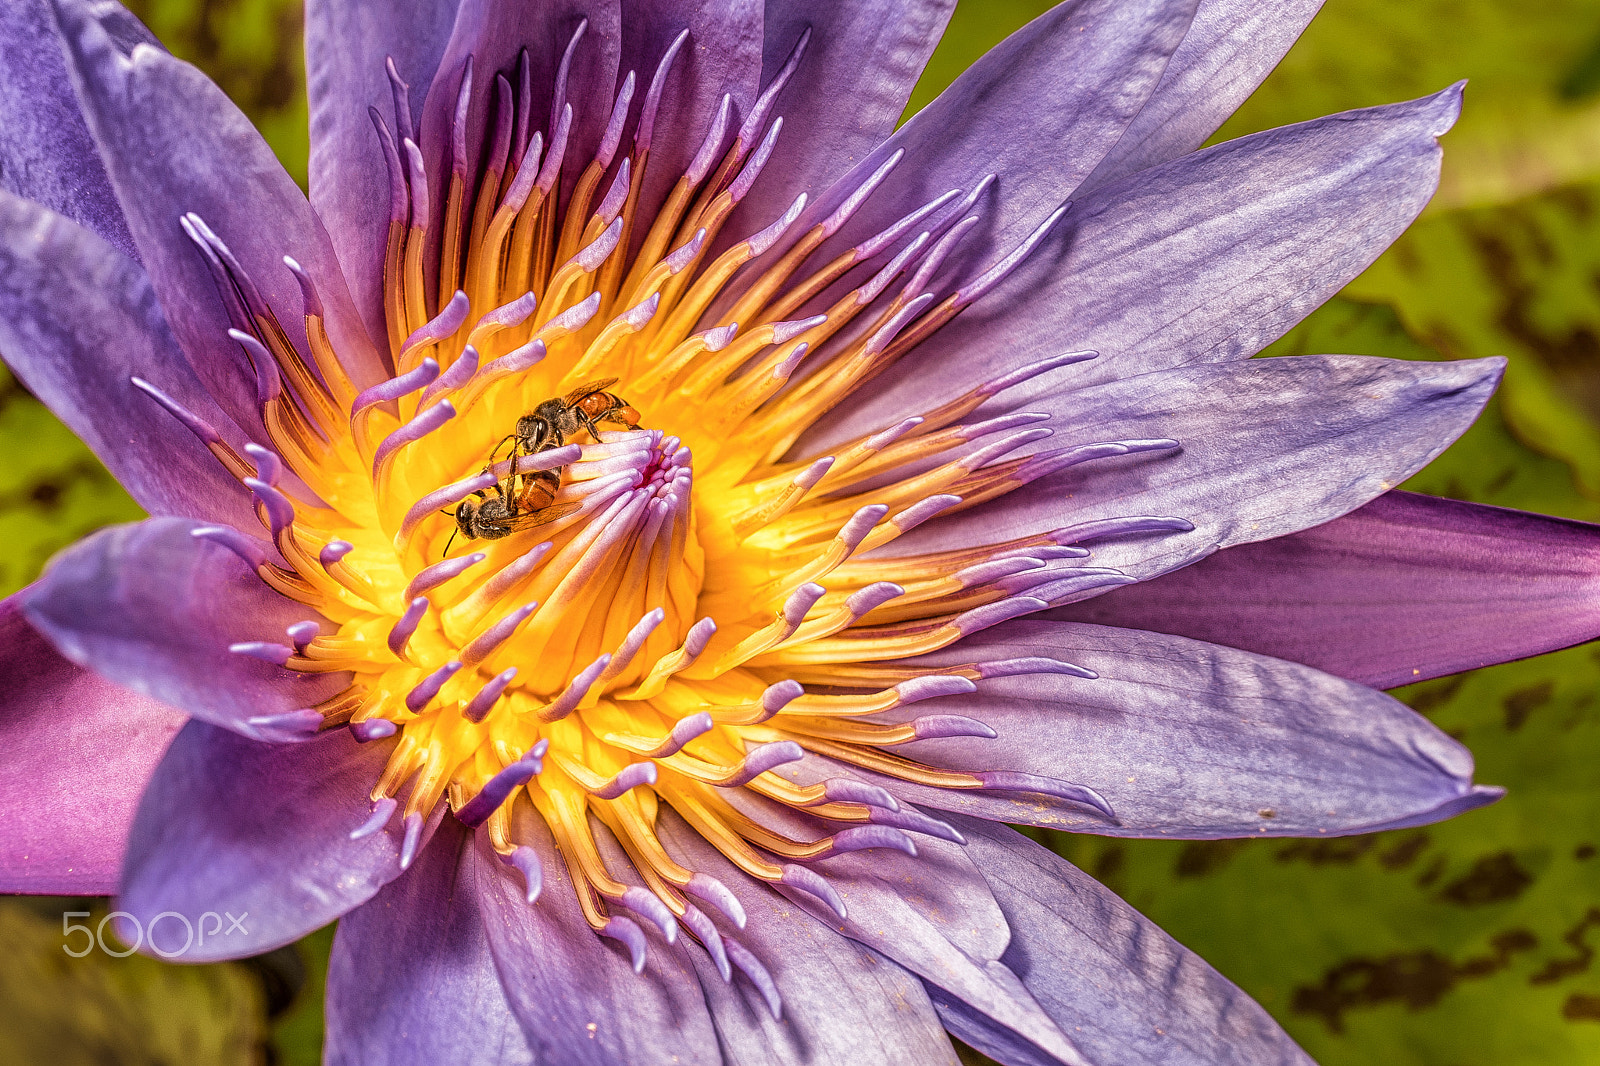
526, 499
553, 421
520, 502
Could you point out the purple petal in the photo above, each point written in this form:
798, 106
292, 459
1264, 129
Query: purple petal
842, 1002
1246, 239
78, 320
174, 144
230, 826
1126, 990
846, 96
1325, 435
347, 47
77, 754
560, 976
931, 914
46, 152
411, 978
153, 608
1407, 588
1192, 740
1230, 47
1040, 110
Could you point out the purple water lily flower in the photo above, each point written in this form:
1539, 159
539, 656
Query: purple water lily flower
629, 541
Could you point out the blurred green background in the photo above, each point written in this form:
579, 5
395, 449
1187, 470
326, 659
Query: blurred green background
1465, 944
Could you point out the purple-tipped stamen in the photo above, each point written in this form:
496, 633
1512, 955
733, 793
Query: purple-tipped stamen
715, 894
422, 695
630, 777
575, 691
269, 382
626, 932
1032, 665
752, 968
382, 811
526, 860
266, 651
246, 547
500, 787
373, 729
196, 425
280, 512
400, 635
848, 790
1016, 781
460, 372
815, 885
992, 614
418, 377
478, 708
917, 822
865, 837
1120, 527
701, 925
303, 633
429, 420
440, 327
290, 725
940, 726
684, 731
930, 687
485, 643
433, 576
760, 758
920, 512
413, 837
269, 466
648, 905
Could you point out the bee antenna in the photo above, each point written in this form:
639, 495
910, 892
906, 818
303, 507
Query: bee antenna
449, 542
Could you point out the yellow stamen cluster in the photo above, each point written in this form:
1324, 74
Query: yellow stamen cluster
694, 609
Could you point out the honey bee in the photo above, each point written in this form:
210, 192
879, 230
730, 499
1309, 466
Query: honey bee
526, 499
520, 502
553, 421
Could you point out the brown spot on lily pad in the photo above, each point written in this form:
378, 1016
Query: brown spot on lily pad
1404, 852
1201, 857
1493, 879
1417, 979
1576, 937
1524, 701
1340, 851
1581, 1008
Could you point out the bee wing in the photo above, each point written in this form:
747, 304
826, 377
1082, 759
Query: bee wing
583, 390
552, 513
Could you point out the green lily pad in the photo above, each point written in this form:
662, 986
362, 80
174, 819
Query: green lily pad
62, 1010
52, 489
1514, 280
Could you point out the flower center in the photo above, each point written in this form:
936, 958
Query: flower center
562, 551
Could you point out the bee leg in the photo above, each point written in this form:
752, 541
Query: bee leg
592, 425
502, 444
